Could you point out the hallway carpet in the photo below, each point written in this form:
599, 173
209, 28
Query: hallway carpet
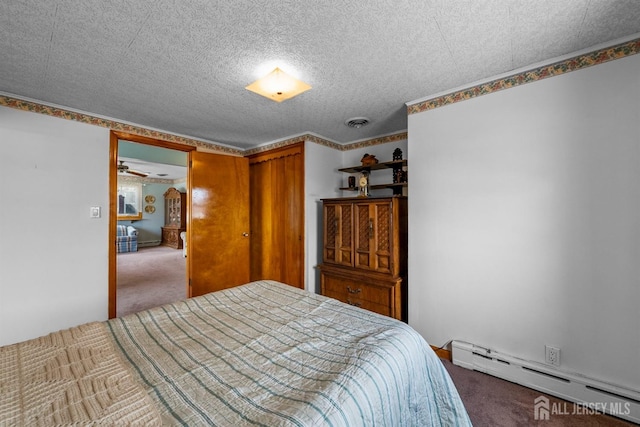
148, 278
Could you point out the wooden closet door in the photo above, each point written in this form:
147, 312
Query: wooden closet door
277, 215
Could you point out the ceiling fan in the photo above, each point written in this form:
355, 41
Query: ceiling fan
122, 168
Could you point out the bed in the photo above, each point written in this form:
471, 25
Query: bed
259, 354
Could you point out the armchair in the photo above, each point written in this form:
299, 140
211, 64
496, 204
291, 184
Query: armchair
183, 236
126, 238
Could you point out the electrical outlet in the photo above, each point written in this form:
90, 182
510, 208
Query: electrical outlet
552, 355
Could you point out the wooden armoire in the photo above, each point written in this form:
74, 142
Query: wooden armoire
175, 218
365, 253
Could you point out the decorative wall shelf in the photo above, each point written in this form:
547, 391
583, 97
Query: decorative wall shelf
397, 187
377, 166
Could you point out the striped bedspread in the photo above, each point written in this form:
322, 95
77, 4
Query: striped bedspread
273, 355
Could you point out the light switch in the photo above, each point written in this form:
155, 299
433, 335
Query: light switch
94, 212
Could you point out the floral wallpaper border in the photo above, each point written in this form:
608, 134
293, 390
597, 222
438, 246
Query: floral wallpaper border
150, 180
400, 136
34, 107
47, 110
572, 64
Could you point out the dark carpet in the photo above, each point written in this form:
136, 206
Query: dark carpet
494, 402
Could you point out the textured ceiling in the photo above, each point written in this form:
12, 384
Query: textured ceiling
182, 66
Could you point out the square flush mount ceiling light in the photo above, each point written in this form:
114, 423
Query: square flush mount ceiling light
278, 86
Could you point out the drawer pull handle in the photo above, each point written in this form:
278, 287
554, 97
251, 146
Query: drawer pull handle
370, 228
353, 291
355, 304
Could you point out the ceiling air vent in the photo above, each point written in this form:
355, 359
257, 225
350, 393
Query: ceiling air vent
357, 122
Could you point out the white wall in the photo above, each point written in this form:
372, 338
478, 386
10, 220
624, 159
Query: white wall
53, 257
524, 221
322, 180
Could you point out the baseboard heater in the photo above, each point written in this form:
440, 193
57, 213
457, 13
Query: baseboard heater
148, 243
589, 394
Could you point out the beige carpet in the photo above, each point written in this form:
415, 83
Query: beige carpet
148, 278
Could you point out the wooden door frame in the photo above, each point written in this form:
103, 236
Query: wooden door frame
114, 136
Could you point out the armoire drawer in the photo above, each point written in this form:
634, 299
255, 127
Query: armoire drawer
358, 290
377, 297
